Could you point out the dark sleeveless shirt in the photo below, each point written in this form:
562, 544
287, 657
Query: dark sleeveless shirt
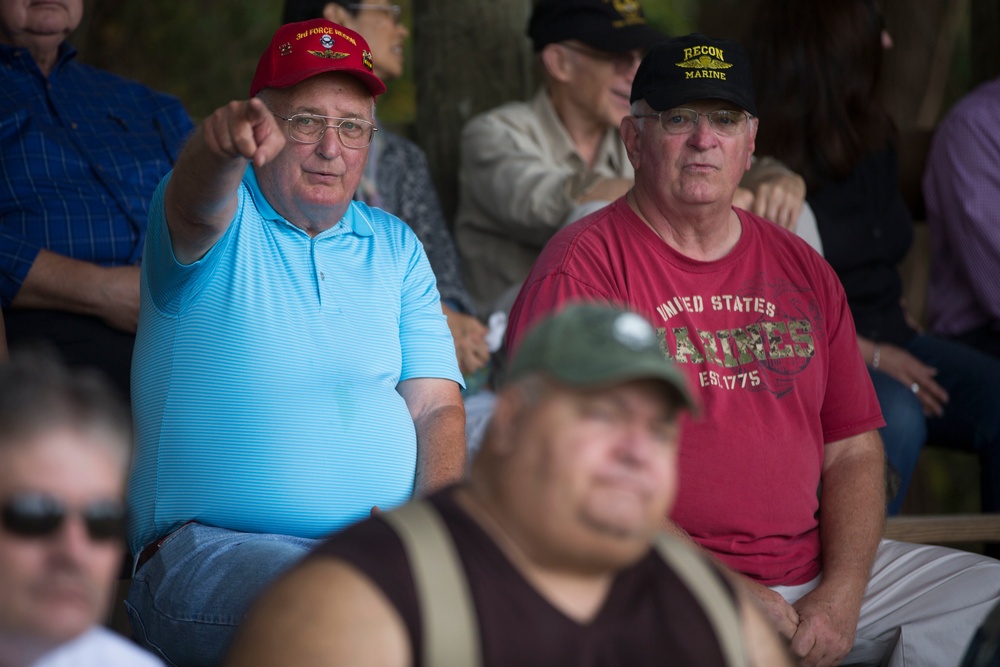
648, 618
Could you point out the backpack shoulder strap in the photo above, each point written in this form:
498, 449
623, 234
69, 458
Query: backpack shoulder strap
448, 616
715, 600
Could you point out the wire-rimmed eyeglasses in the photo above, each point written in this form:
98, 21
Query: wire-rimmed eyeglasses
395, 10
309, 128
725, 122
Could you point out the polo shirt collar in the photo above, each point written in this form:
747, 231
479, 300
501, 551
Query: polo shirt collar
352, 217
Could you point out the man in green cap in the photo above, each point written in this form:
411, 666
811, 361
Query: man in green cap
555, 554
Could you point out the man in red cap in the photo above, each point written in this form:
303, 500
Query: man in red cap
293, 368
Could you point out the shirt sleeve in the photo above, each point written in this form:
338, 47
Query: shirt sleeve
171, 283
425, 340
962, 189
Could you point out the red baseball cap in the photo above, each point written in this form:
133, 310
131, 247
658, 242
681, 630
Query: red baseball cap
307, 48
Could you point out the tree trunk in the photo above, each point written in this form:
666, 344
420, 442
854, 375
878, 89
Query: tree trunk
469, 56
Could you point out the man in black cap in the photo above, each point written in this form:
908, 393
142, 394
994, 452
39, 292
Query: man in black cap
528, 168
547, 553
782, 479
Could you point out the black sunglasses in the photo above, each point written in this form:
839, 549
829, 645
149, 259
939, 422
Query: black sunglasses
33, 515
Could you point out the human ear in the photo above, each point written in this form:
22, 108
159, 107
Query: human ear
338, 14
630, 133
556, 62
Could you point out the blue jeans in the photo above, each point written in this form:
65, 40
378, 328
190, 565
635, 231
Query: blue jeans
971, 420
186, 603
905, 430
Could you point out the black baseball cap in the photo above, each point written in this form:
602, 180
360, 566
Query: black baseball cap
695, 67
606, 25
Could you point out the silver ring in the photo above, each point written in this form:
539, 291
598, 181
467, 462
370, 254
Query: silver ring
915, 388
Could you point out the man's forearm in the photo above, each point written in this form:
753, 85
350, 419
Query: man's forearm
440, 449
852, 512
56, 282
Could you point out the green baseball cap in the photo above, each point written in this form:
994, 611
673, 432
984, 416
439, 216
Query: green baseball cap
591, 345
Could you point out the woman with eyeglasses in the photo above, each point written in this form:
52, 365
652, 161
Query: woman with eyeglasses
816, 68
397, 177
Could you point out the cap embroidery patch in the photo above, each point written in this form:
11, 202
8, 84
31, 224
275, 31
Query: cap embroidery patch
285, 49
326, 41
705, 61
366, 60
633, 331
629, 11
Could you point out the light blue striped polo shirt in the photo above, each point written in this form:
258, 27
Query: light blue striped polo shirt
264, 375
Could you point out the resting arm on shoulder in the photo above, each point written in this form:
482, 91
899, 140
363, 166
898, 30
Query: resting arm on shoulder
301, 621
435, 405
852, 521
772, 191
57, 282
201, 197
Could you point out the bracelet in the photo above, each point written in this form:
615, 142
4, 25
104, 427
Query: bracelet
875, 355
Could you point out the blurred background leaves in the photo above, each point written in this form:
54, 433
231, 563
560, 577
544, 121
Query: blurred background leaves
205, 53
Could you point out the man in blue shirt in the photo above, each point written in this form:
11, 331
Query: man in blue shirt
293, 369
83, 151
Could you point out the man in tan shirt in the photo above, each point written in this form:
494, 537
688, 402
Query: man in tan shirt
528, 168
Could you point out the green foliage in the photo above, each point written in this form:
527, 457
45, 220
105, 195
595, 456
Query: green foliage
674, 17
205, 53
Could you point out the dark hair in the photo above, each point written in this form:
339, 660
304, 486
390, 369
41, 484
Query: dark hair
816, 65
303, 10
38, 393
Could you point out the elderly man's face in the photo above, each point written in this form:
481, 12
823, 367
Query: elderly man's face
55, 586
23, 21
311, 185
600, 82
596, 471
680, 170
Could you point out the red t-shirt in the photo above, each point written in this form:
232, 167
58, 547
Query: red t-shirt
766, 340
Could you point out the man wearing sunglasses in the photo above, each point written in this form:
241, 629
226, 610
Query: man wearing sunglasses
293, 369
64, 450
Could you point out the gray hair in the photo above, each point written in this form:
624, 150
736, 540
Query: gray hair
640, 107
39, 394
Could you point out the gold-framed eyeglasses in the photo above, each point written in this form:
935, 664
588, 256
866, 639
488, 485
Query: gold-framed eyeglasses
395, 10
725, 122
622, 62
309, 128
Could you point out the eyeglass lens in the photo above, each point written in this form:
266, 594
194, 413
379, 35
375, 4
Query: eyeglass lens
309, 129
724, 121
394, 10
40, 515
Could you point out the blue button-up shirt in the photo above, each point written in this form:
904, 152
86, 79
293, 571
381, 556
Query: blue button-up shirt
81, 153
